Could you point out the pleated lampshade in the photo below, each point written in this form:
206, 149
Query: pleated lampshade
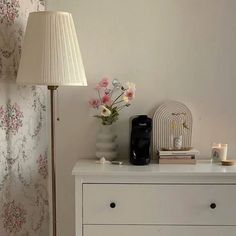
50, 53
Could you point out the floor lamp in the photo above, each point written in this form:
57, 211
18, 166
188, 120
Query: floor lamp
51, 57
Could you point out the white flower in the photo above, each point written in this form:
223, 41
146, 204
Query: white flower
104, 111
130, 86
129, 92
128, 95
116, 83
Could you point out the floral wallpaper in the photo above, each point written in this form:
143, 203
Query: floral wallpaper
23, 137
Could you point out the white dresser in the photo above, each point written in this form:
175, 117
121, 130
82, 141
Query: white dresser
155, 200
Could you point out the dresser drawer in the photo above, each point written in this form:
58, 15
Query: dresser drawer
135, 230
159, 204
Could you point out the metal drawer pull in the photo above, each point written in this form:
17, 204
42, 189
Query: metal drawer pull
112, 205
213, 205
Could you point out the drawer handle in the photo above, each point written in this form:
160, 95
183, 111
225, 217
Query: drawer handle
213, 205
112, 205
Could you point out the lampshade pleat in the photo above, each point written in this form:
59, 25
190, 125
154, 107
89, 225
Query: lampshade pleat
50, 52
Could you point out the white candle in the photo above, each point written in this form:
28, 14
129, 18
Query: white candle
219, 152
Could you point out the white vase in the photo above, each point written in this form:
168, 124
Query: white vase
106, 143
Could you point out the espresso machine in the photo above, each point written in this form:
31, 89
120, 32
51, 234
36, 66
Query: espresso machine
140, 140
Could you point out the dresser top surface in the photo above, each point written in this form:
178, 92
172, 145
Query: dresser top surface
90, 167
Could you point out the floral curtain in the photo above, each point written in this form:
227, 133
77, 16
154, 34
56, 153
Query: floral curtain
23, 137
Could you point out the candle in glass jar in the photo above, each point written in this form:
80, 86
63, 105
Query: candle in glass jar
219, 152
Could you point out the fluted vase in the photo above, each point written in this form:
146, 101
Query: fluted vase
106, 143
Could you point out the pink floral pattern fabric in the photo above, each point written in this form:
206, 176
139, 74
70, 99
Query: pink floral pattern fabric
9, 11
11, 118
23, 136
43, 166
14, 216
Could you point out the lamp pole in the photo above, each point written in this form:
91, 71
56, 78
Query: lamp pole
53, 168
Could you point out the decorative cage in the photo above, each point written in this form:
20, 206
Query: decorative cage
172, 119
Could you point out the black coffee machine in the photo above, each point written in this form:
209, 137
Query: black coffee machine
140, 140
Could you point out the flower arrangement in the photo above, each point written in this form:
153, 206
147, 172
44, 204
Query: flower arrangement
112, 98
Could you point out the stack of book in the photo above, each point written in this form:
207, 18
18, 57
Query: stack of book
177, 157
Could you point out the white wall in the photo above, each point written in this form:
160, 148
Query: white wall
183, 50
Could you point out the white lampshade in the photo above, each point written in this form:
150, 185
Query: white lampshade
50, 53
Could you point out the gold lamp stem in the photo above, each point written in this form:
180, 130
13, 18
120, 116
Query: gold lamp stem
54, 195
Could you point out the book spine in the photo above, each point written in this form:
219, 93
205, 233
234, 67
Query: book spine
165, 161
187, 157
167, 153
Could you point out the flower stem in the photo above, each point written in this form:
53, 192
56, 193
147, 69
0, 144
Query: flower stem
99, 95
121, 107
117, 98
111, 93
118, 102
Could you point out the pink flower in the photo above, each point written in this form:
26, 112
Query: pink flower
129, 95
106, 99
103, 83
94, 103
